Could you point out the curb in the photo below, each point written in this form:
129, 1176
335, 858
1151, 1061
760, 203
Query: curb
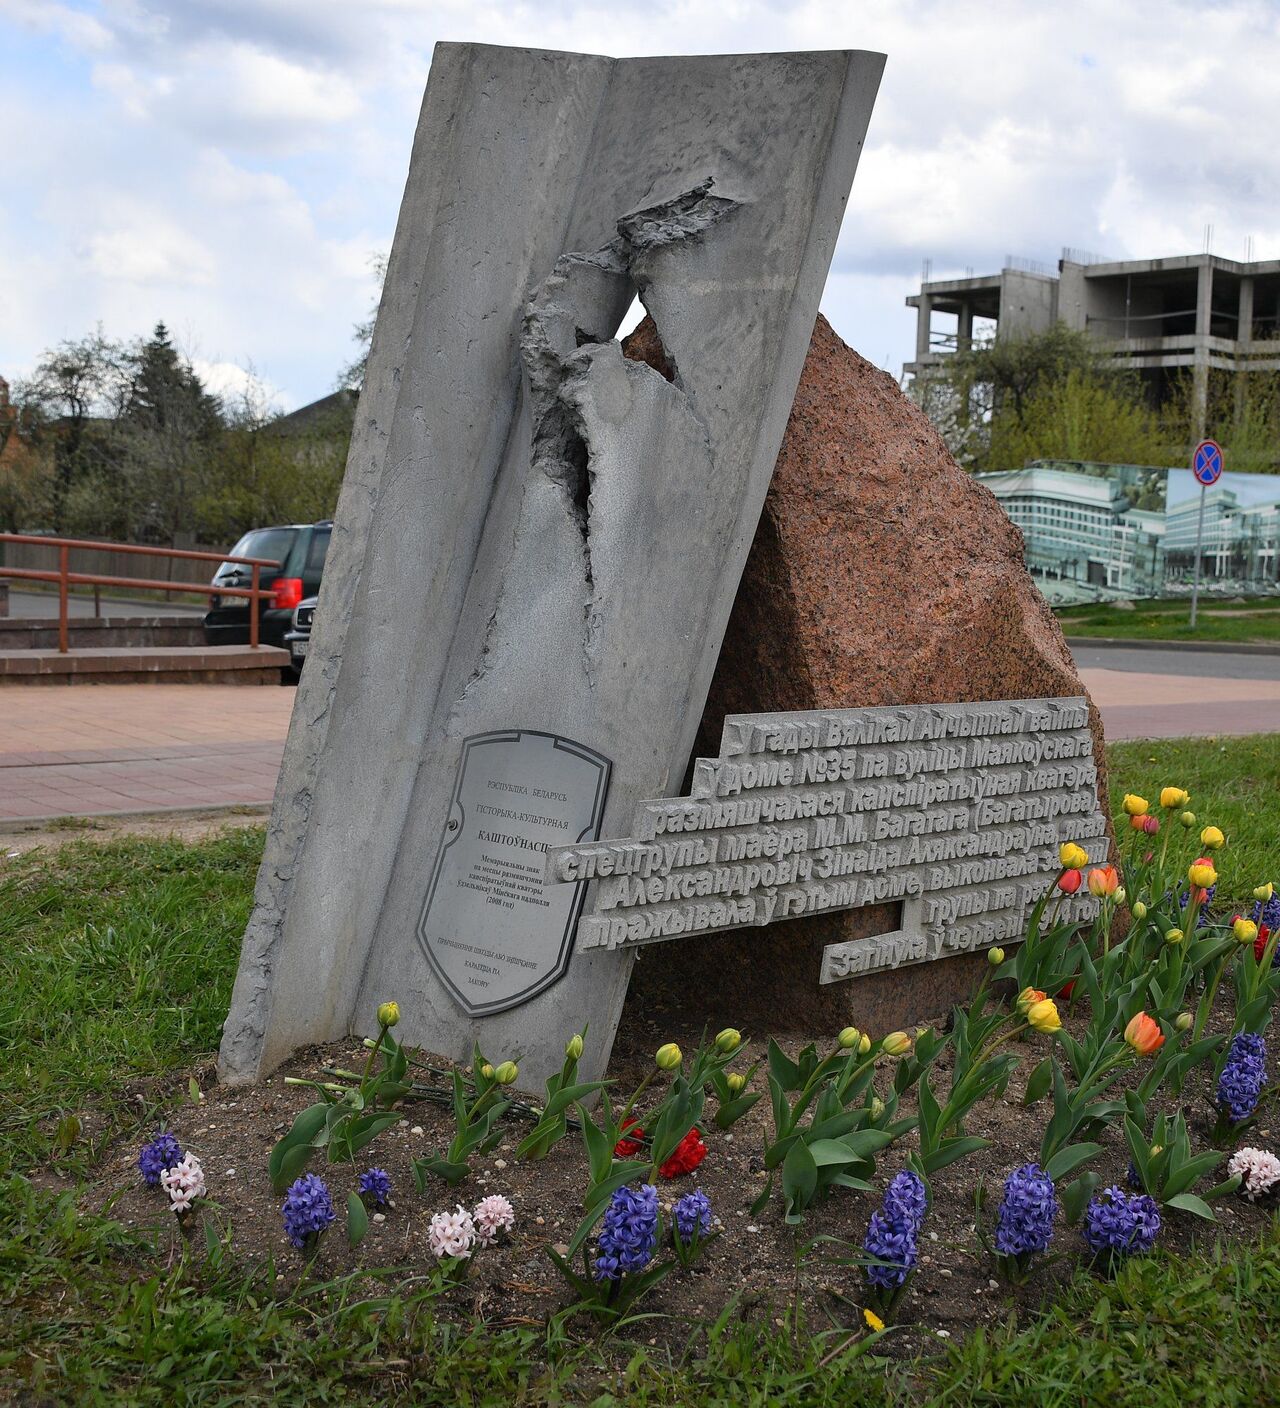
1211, 647
24, 823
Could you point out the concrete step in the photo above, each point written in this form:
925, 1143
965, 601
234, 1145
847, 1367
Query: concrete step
204, 664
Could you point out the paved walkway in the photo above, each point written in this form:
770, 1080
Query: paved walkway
99, 749
91, 750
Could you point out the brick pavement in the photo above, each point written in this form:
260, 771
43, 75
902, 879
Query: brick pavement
94, 750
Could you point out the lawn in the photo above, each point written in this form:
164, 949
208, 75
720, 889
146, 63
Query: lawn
1256, 621
116, 963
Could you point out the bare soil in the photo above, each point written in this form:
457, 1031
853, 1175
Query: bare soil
183, 826
758, 1260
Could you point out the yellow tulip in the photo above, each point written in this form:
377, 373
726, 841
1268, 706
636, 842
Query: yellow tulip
848, 1038
728, 1041
1174, 797
1174, 936
1202, 874
507, 1073
1264, 892
1043, 1016
737, 1082
896, 1044
1135, 806
1188, 819
864, 1044
1211, 838
668, 1057
1138, 909
1072, 856
1245, 930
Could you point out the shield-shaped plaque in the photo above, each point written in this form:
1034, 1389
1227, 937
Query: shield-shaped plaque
492, 928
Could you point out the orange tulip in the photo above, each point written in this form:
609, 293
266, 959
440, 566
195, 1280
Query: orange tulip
1028, 997
1103, 880
1144, 1035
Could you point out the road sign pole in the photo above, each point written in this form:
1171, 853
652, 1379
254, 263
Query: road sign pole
1195, 584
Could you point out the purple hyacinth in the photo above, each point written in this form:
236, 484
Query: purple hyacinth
891, 1233
1119, 1223
1243, 1076
1024, 1222
159, 1156
905, 1198
307, 1210
375, 1187
692, 1216
629, 1232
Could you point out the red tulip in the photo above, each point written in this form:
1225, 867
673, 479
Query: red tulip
1069, 881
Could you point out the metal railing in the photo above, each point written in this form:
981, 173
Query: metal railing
65, 578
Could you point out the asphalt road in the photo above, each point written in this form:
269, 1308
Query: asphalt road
44, 605
1203, 664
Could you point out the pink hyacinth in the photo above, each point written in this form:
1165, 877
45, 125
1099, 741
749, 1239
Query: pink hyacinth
1259, 1171
452, 1233
492, 1216
184, 1182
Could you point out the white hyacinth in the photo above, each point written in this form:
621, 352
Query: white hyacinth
184, 1183
452, 1233
1259, 1171
492, 1216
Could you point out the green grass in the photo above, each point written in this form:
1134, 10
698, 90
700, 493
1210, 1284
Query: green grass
1255, 621
116, 963
1234, 785
94, 1315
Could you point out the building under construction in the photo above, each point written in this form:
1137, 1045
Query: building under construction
1158, 317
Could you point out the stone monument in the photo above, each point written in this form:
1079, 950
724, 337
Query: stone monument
538, 541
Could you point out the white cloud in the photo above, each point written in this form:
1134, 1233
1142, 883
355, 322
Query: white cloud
229, 165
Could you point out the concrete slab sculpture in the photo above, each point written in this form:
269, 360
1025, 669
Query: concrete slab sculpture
538, 542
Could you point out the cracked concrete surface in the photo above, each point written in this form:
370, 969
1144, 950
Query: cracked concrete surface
535, 533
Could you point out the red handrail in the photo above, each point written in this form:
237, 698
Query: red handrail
64, 577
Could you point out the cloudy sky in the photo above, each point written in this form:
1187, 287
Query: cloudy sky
230, 165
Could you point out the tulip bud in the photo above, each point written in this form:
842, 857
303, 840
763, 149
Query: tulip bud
1202, 874
1138, 823
1264, 892
1245, 930
1135, 806
896, 1044
388, 1014
877, 1108
736, 1082
728, 1041
1211, 838
1183, 1022
864, 1044
1120, 895
1043, 1016
573, 1048
507, 1073
1072, 856
849, 1038
1188, 819
1174, 936
1138, 909
1173, 797
1144, 1035
1150, 825
668, 1057
995, 957
1157, 1150
1028, 997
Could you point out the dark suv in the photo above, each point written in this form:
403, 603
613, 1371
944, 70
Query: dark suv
300, 550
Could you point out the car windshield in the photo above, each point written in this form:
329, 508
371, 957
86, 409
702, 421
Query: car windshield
271, 543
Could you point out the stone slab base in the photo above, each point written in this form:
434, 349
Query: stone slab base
103, 633
208, 664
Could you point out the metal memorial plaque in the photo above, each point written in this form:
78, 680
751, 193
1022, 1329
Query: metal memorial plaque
955, 811
493, 929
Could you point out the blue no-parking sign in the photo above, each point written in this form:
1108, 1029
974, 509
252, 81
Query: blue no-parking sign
1206, 463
